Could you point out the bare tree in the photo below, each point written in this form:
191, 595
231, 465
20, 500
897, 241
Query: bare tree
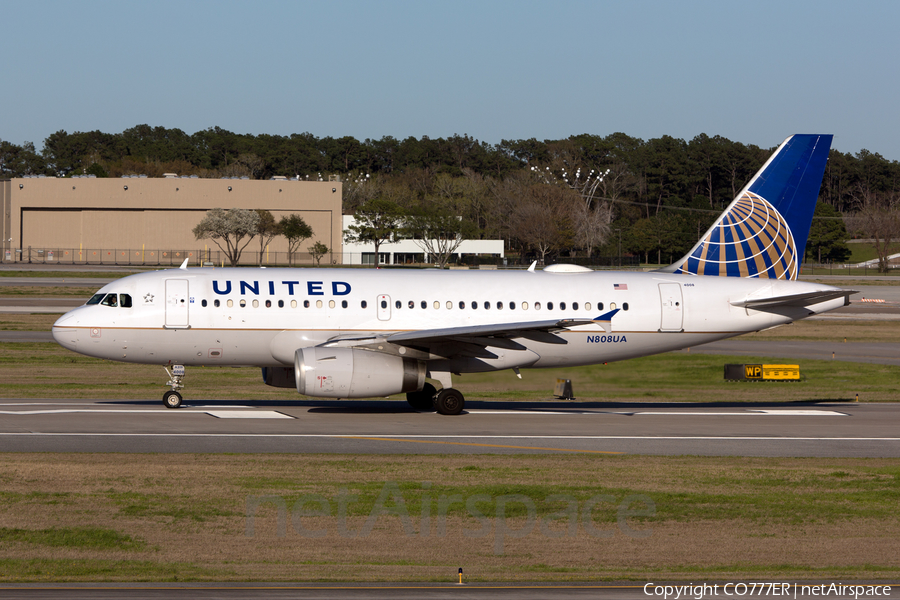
877, 219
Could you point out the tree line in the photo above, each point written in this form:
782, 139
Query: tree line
585, 194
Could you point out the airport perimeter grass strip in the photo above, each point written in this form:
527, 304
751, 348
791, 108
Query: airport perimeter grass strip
201, 517
46, 370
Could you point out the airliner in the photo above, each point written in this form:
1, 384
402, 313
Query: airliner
348, 333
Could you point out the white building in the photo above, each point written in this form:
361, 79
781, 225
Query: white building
409, 251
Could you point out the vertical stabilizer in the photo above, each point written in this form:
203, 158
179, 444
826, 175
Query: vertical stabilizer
763, 232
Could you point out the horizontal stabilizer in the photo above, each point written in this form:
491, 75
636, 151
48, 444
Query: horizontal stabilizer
805, 299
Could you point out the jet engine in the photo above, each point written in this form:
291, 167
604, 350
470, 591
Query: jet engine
354, 373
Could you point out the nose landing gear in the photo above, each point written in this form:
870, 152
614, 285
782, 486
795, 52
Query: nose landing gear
172, 399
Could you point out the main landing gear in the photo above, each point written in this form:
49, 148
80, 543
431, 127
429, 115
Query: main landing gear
172, 399
446, 402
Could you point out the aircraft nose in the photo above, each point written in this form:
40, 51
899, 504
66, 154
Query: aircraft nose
65, 333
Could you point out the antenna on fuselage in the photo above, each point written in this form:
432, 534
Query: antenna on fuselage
183, 266
531, 268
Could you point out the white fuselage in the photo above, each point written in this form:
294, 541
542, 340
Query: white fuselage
260, 317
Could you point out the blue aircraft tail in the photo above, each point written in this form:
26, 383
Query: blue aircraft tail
763, 232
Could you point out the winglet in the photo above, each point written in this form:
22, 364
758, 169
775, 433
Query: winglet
183, 266
605, 320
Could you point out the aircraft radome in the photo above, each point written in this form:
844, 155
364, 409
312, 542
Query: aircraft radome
348, 333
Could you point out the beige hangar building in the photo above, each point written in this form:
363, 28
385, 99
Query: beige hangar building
141, 220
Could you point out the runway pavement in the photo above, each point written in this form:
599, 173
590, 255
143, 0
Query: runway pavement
389, 427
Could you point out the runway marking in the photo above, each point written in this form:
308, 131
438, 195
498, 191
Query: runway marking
383, 439
219, 414
248, 414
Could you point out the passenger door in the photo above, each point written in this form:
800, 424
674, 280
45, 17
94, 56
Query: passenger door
672, 307
177, 302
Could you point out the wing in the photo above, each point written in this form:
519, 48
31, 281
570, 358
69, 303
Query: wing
470, 341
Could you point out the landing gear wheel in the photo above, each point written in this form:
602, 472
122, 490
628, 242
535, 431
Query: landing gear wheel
172, 399
449, 402
423, 399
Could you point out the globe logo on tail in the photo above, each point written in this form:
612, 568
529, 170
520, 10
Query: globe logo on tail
750, 240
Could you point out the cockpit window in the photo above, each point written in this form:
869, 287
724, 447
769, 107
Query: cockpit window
111, 300
114, 300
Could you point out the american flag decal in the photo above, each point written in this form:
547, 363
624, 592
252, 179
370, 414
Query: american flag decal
620, 286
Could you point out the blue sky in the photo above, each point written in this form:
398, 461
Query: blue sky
754, 72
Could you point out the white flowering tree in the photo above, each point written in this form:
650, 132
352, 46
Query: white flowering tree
235, 228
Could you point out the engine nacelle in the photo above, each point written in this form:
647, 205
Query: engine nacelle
353, 373
280, 377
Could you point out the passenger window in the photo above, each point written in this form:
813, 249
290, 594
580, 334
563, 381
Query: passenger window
243, 303
574, 306
499, 305
384, 304
474, 305
331, 304
281, 304
624, 306
549, 306
524, 306
562, 306
203, 303
216, 303
487, 305
462, 304
437, 305
412, 304
364, 304
512, 306
587, 306
268, 304
125, 301
398, 304
293, 304
255, 303
599, 306
111, 300
230, 303
449, 305
96, 298
537, 306
424, 304
318, 304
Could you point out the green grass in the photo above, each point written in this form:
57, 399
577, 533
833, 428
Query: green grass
72, 537
111, 274
46, 370
57, 570
707, 516
863, 251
